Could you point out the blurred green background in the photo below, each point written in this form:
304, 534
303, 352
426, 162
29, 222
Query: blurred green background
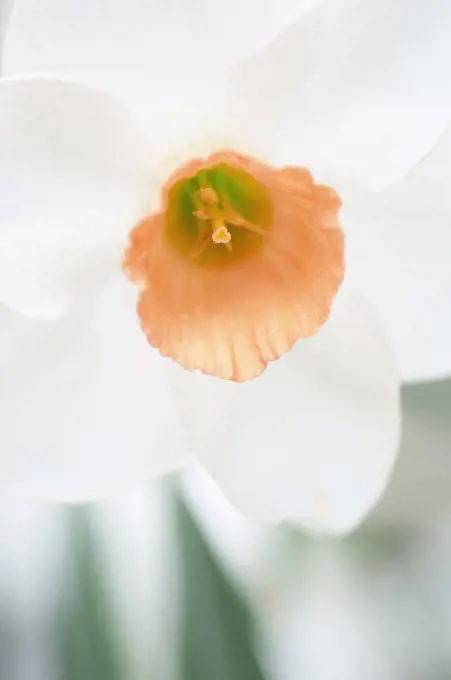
172, 583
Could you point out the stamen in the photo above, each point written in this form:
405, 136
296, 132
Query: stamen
202, 214
236, 220
208, 196
208, 207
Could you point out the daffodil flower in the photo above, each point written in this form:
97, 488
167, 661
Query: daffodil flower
173, 248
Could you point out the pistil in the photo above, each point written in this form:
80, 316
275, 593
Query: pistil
209, 208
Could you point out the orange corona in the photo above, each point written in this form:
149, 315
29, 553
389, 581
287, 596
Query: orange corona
240, 262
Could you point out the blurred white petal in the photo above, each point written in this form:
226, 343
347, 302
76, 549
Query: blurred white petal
98, 416
399, 255
75, 178
154, 51
235, 538
359, 89
314, 438
5, 12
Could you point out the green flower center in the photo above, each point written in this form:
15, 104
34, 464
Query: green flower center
219, 216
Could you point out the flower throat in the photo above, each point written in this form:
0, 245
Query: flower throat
218, 216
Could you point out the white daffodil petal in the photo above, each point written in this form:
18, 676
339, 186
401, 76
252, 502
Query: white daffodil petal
427, 184
98, 416
22, 342
153, 50
74, 180
5, 11
203, 402
359, 89
314, 439
399, 254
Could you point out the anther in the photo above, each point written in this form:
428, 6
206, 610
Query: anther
208, 196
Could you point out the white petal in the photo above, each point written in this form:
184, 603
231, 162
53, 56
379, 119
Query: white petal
202, 401
98, 416
314, 438
237, 540
427, 183
75, 177
359, 89
156, 50
5, 12
22, 341
399, 256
